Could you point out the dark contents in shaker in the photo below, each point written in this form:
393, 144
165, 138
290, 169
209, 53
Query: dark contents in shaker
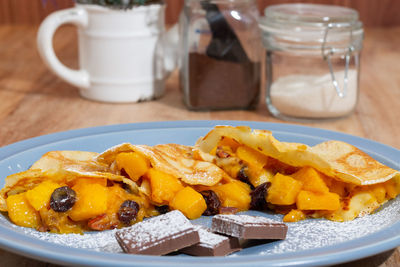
219, 84
223, 78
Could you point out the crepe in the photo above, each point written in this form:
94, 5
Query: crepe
230, 169
58, 166
337, 159
29, 192
332, 179
174, 159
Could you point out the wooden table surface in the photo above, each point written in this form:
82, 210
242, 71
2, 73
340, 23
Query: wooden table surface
35, 102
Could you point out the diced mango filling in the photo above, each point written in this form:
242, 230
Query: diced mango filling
190, 202
311, 180
39, 196
133, 163
296, 192
234, 194
96, 207
299, 192
21, 212
163, 186
91, 201
294, 215
283, 190
307, 200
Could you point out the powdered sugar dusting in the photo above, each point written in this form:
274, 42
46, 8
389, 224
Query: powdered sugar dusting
303, 235
150, 232
243, 219
208, 239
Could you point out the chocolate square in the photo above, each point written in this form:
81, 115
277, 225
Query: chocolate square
248, 227
212, 244
158, 235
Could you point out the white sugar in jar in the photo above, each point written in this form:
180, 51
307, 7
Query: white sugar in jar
312, 60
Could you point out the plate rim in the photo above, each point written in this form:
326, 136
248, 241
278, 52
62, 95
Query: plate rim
353, 253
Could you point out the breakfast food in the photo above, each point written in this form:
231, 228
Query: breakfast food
333, 179
231, 169
167, 174
70, 192
159, 235
248, 227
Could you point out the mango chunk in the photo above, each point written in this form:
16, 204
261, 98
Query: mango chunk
252, 157
283, 190
163, 186
294, 216
190, 202
91, 201
234, 194
39, 196
311, 179
229, 142
21, 212
307, 200
134, 164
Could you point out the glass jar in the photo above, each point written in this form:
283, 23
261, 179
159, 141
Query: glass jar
221, 54
312, 60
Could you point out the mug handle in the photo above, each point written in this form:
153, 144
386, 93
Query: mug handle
76, 16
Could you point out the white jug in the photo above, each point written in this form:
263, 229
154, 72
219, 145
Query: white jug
121, 52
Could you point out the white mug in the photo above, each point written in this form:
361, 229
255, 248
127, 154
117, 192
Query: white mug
121, 53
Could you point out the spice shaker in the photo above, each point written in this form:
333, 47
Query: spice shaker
221, 51
312, 60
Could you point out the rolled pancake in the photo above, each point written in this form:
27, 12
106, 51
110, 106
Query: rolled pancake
60, 167
336, 159
174, 159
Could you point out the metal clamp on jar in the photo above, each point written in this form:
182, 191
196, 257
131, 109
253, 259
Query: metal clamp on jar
312, 60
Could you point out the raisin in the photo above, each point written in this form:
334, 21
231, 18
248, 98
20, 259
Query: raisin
212, 201
127, 211
258, 195
62, 199
162, 209
124, 173
243, 176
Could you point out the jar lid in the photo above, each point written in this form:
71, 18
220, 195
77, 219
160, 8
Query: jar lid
306, 14
310, 19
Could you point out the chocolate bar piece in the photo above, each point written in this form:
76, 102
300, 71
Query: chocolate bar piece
212, 244
158, 235
248, 227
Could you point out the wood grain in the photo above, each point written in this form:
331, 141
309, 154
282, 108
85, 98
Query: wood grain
35, 102
372, 12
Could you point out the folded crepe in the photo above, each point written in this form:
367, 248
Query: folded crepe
168, 174
97, 194
104, 185
333, 179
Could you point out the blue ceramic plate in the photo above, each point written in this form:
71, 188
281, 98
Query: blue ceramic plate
309, 242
